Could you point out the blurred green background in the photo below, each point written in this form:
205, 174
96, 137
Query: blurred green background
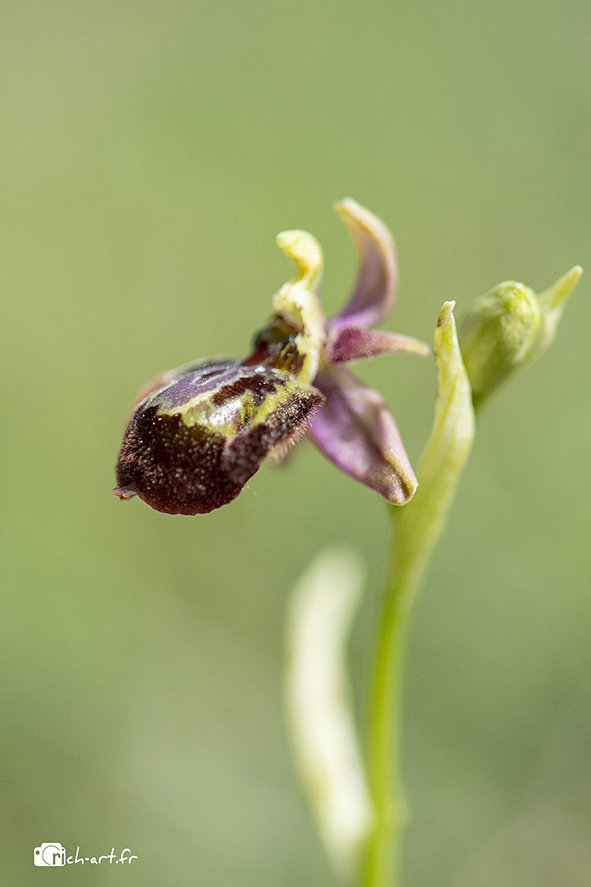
151, 152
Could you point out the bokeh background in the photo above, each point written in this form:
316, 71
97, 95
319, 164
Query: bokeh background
150, 153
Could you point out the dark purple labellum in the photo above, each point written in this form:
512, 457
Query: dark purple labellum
191, 445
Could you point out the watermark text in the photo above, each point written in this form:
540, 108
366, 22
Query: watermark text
56, 855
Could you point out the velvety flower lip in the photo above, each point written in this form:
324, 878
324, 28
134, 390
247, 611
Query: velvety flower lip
198, 433
191, 445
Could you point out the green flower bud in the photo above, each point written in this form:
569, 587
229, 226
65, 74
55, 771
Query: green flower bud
497, 334
507, 328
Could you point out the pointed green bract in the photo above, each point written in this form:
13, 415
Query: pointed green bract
552, 304
420, 524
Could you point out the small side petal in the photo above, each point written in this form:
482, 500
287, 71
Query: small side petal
357, 432
352, 343
377, 281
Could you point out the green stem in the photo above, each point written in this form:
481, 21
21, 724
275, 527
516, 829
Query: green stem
384, 735
419, 526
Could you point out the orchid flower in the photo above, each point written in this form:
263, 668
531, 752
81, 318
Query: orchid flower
198, 433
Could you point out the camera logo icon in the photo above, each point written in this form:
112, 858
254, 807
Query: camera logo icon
50, 854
